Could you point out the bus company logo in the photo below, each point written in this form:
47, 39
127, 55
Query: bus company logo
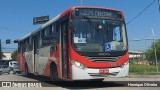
103, 54
6, 84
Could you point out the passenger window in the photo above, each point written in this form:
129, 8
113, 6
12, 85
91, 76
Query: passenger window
117, 34
27, 44
51, 29
56, 32
19, 47
30, 47
23, 46
45, 37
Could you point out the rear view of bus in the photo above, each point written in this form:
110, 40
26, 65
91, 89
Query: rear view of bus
99, 43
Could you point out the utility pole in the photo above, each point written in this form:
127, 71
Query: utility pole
155, 50
159, 4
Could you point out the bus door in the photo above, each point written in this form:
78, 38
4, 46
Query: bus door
64, 50
36, 51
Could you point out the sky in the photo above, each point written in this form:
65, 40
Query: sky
16, 17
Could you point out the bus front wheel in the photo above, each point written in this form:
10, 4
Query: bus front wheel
53, 73
26, 70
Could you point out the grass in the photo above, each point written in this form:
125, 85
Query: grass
142, 69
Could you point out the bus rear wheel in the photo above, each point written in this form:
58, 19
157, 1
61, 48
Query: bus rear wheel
53, 73
26, 70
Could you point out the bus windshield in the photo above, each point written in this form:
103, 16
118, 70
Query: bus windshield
94, 35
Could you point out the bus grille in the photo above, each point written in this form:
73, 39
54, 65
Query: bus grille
102, 59
103, 75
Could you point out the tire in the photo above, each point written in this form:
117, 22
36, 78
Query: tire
26, 70
8, 72
0, 73
53, 73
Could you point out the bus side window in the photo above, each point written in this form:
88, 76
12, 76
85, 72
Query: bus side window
27, 44
37, 41
19, 47
40, 39
56, 33
45, 35
30, 47
51, 29
23, 46
45, 32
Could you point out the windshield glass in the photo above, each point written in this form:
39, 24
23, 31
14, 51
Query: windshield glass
93, 35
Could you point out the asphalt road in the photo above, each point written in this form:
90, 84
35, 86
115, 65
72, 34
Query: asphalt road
107, 84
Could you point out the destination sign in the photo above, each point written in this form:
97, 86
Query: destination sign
92, 12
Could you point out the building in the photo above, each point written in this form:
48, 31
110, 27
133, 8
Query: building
6, 55
136, 55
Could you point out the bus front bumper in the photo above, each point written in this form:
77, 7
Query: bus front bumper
92, 73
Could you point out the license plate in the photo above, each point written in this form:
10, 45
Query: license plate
103, 71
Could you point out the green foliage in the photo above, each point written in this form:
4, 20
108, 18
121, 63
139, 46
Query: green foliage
14, 55
142, 69
150, 54
131, 61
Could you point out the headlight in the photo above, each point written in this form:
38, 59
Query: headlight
78, 64
126, 63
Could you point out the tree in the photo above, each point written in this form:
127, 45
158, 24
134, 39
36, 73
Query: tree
150, 53
14, 55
